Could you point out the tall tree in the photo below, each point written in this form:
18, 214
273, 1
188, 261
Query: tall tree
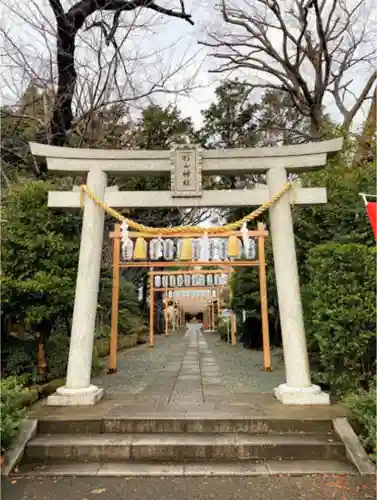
68, 25
159, 127
309, 49
279, 121
229, 122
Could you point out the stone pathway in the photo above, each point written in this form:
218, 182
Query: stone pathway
199, 374
242, 369
192, 368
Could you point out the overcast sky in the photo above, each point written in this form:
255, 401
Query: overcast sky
171, 43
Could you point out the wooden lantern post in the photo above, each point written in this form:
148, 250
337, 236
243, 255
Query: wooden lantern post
264, 303
166, 318
115, 302
151, 311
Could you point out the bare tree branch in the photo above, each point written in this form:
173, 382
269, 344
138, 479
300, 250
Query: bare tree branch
365, 150
350, 114
304, 48
68, 26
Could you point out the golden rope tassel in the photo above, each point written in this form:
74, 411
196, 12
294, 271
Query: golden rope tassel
233, 247
140, 250
186, 249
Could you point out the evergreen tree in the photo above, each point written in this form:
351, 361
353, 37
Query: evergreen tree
230, 122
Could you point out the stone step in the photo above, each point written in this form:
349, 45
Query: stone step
149, 469
162, 424
181, 447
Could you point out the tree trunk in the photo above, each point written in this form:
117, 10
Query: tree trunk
62, 117
316, 121
364, 145
41, 357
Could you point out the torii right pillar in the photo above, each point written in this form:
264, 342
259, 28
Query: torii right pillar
298, 389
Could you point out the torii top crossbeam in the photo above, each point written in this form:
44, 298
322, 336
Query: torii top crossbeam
186, 192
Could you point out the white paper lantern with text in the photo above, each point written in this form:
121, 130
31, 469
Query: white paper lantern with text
169, 249
196, 249
223, 249
212, 249
180, 280
157, 281
128, 250
156, 248
251, 250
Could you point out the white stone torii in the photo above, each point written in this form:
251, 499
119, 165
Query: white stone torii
186, 165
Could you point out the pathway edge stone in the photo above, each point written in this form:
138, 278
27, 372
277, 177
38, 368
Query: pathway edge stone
355, 452
12, 457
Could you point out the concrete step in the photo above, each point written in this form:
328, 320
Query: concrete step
180, 447
148, 469
162, 424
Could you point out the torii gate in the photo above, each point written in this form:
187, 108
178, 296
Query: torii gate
186, 164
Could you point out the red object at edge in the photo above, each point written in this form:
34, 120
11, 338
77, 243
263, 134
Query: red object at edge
372, 214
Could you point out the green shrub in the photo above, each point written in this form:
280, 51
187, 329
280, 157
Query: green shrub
20, 358
57, 349
102, 332
39, 258
363, 406
11, 411
129, 323
98, 363
222, 329
340, 311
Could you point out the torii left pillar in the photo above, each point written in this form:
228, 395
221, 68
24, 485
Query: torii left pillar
78, 390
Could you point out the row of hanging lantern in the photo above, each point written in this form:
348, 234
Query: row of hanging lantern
186, 280
198, 249
192, 294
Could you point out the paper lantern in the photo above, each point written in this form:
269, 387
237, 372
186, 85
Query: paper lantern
156, 248
233, 247
168, 251
196, 249
140, 250
186, 249
172, 280
157, 281
128, 250
251, 251
223, 249
180, 280
212, 249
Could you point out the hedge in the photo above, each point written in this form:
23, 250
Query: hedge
340, 314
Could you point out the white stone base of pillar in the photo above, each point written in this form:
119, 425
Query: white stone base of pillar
312, 395
64, 396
